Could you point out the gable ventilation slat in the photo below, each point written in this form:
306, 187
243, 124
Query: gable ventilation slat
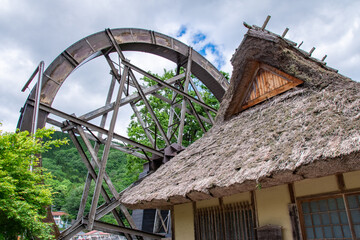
268, 82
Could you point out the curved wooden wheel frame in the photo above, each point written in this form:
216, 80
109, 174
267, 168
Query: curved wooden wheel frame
102, 44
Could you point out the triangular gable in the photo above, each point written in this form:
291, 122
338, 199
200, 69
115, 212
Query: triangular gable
266, 83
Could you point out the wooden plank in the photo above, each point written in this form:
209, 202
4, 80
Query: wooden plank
185, 90
128, 99
93, 154
194, 208
169, 86
201, 99
268, 95
268, 82
291, 192
172, 223
84, 197
254, 212
96, 128
257, 90
110, 228
280, 73
94, 176
150, 110
106, 151
262, 83
348, 214
340, 182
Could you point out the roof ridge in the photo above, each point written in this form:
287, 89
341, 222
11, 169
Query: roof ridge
262, 32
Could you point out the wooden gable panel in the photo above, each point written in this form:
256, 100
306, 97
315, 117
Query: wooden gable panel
266, 83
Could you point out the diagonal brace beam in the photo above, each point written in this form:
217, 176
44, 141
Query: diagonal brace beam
96, 128
139, 70
99, 180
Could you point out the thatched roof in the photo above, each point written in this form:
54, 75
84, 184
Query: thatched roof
310, 131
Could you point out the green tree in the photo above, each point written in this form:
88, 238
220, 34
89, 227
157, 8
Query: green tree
69, 172
23, 196
192, 129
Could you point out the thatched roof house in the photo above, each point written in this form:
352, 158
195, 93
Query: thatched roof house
308, 129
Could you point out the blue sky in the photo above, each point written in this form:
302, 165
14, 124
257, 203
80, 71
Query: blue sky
202, 44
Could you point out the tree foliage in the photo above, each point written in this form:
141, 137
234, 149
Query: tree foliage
23, 197
192, 129
69, 174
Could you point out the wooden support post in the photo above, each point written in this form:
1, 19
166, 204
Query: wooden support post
196, 116
291, 192
98, 129
94, 176
167, 85
105, 156
300, 44
340, 182
107, 227
84, 197
172, 212
194, 208
171, 116
266, 22
128, 99
186, 89
285, 32
97, 146
201, 99
93, 155
311, 51
149, 108
142, 123
172, 108
254, 206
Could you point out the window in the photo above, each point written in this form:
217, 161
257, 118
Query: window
336, 217
229, 221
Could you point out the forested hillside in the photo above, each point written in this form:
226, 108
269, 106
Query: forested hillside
69, 173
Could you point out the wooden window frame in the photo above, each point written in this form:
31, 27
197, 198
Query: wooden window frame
342, 194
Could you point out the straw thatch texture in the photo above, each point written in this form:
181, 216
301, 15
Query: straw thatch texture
310, 131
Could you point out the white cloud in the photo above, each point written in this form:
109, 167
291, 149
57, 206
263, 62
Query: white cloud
16, 67
41, 30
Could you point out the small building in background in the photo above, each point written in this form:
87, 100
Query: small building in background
59, 218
